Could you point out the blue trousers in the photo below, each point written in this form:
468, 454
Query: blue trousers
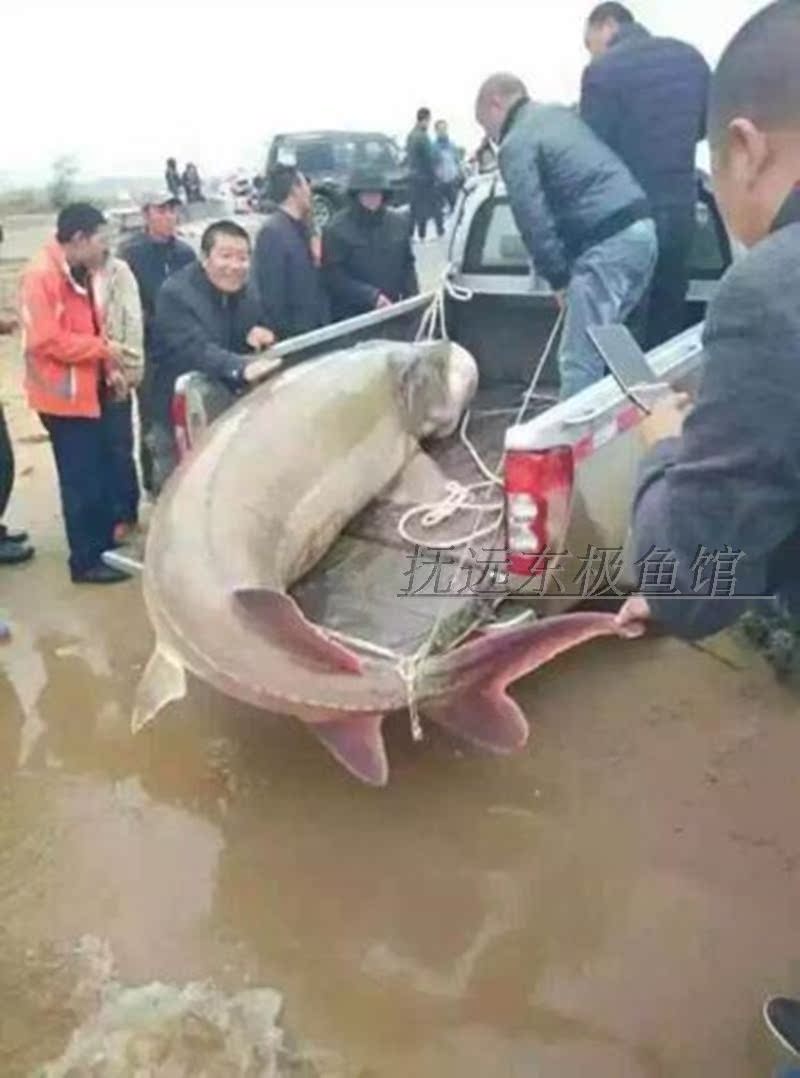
606, 284
118, 416
82, 449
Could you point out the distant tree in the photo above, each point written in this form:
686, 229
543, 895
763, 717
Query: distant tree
65, 169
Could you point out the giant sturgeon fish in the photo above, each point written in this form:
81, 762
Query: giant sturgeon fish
259, 502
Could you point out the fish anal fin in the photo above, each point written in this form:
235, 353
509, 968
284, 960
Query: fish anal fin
280, 620
356, 741
163, 681
491, 719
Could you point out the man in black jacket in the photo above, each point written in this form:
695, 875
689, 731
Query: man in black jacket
421, 165
206, 320
286, 277
366, 250
719, 495
581, 215
646, 98
154, 255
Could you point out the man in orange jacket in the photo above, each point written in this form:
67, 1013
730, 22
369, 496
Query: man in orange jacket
71, 372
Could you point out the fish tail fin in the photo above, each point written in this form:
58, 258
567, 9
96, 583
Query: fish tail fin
163, 680
356, 741
479, 708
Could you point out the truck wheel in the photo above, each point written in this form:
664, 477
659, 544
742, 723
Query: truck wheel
321, 210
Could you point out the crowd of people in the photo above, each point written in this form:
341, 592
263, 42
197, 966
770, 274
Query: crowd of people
102, 326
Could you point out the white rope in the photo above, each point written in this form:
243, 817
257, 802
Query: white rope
459, 497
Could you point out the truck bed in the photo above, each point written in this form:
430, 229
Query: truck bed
373, 585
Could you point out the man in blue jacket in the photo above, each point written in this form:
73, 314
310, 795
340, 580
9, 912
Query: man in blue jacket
646, 97
286, 277
153, 255
584, 219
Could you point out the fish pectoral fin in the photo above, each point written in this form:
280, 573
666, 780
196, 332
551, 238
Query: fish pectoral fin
163, 680
490, 719
357, 743
283, 623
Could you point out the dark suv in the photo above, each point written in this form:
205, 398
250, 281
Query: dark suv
327, 158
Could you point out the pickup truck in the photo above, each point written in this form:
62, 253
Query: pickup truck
569, 468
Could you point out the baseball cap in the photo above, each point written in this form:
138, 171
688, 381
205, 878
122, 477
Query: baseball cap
159, 197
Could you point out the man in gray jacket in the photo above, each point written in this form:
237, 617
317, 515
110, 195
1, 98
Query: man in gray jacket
719, 497
585, 221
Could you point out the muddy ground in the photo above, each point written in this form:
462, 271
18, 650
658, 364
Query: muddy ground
615, 901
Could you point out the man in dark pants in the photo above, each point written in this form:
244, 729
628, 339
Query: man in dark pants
70, 372
14, 547
153, 256
421, 165
725, 478
645, 96
206, 320
286, 278
367, 259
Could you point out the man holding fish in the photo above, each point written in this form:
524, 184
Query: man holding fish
206, 320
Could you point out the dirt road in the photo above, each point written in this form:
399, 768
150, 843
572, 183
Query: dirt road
615, 901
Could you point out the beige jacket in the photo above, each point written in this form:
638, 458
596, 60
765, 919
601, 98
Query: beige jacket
117, 295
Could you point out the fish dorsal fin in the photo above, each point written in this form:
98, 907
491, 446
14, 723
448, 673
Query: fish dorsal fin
280, 620
163, 681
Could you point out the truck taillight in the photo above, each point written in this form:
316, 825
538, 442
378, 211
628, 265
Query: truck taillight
180, 423
538, 489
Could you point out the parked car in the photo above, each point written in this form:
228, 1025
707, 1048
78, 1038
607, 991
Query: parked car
571, 466
327, 159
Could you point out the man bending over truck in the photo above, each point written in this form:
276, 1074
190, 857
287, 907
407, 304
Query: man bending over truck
584, 219
726, 477
207, 321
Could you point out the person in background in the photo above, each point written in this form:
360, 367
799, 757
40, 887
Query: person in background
421, 165
118, 299
206, 320
172, 178
645, 97
153, 255
583, 218
725, 476
286, 272
191, 183
14, 546
448, 165
367, 258
70, 371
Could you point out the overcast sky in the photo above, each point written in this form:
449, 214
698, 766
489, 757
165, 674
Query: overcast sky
122, 84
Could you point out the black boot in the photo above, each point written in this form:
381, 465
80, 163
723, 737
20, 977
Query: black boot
100, 574
782, 1016
12, 537
12, 553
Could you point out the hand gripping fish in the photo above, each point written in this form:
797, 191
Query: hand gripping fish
259, 503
